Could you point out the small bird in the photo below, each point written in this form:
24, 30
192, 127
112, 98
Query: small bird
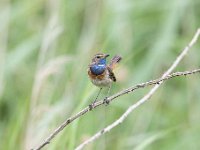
101, 74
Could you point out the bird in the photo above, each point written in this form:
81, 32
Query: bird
101, 73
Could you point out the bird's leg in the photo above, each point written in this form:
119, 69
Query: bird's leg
106, 101
97, 95
91, 105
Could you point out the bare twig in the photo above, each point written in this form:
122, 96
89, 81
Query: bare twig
165, 76
123, 92
120, 120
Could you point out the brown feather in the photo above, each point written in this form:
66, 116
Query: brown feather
116, 59
93, 76
111, 74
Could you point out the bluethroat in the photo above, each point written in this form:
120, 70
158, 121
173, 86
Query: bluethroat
101, 74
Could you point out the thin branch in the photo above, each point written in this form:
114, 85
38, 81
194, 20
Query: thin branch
164, 77
126, 91
121, 119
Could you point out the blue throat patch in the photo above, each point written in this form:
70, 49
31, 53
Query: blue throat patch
99, 68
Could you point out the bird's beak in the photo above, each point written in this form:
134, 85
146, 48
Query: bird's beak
107, 55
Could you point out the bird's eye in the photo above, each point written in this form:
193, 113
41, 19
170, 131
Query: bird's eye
98, 57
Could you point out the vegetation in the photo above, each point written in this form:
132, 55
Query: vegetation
45, 49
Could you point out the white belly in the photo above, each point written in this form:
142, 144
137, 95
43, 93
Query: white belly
102, 83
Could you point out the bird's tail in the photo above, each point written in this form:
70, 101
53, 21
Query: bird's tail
115, 60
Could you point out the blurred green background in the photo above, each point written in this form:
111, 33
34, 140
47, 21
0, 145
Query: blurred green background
46, 46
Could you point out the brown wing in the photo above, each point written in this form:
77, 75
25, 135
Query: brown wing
111, 74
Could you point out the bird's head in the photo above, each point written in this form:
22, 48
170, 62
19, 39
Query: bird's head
100, 58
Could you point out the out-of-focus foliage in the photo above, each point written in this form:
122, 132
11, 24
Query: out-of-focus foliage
45, 48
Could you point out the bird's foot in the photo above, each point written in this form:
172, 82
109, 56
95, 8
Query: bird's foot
106, 101
91, 106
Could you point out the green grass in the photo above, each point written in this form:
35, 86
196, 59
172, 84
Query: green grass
46, 46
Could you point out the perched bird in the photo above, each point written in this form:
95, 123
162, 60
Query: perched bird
100, 73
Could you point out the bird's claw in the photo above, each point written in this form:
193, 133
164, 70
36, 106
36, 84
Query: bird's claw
106, 101
91, 106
